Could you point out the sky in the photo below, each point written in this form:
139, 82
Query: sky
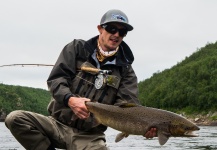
165, 33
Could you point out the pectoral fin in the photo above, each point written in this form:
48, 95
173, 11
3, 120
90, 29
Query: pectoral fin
163, 137
120, 136
94, 121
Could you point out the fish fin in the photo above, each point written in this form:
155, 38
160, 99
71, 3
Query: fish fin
163, 137
125, 104
120, 136
95, 101
95, 122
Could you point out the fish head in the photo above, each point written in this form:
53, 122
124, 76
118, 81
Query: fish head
184, 128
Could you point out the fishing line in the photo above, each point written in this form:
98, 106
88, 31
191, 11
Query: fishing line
42, 65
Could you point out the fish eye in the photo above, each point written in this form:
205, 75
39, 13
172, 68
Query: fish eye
187, 128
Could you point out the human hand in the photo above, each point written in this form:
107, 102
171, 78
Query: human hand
151, 133
77, 104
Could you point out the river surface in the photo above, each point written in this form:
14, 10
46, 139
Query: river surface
207, 140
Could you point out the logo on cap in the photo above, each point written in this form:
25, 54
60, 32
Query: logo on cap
118, 17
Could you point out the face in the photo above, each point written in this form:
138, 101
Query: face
109, 41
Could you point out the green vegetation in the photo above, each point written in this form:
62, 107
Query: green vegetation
24, 98
190, 86
213, 117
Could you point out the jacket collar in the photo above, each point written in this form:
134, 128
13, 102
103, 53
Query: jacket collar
124, 54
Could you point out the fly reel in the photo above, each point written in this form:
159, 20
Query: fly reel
100, 81
102, 77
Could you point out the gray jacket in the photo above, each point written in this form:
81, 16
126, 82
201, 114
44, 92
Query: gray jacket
67, 79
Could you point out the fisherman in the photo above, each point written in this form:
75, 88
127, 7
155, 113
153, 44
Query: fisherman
99, 69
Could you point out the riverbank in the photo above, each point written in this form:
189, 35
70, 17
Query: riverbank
204, 122
209, 119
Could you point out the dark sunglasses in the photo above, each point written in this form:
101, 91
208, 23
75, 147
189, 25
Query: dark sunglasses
113, 29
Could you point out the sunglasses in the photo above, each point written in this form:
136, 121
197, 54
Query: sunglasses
113, 29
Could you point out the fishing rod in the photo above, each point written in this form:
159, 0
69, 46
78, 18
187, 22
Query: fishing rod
86, 67
23, 65
40, 65
102, 76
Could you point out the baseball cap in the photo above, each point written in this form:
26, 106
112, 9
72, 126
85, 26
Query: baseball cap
115, 15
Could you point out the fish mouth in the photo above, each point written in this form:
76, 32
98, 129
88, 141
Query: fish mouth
190, 134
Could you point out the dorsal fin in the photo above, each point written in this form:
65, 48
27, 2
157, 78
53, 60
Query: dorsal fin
125, 105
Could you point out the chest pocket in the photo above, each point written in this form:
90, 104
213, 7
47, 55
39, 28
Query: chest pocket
113, 81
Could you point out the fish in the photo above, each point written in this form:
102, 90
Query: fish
133, 119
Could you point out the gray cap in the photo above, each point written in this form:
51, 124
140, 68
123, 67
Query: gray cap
115, 15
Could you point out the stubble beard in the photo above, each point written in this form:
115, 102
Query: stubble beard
108, 48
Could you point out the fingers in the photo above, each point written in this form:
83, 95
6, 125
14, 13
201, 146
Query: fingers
77, 104
82, 113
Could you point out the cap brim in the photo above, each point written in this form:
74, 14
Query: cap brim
128, 26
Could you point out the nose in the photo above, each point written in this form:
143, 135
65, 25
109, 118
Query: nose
117, 34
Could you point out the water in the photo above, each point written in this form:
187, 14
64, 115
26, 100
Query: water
207, 140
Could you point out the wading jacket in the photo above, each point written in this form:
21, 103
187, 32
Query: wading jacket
66, 78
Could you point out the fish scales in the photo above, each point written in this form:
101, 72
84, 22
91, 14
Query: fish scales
138, 120
131, 119
117, 118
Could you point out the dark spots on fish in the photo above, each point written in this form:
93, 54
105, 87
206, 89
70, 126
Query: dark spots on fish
144, 114
186, 128
174, 126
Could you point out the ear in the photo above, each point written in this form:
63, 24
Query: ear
99, 29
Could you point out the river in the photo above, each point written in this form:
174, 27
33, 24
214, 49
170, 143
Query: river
207, 140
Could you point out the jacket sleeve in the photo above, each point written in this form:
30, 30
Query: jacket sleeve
128, 89
63, 72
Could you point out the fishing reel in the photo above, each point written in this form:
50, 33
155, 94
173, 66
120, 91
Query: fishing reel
103, 77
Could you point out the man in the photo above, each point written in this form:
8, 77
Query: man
95, 70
